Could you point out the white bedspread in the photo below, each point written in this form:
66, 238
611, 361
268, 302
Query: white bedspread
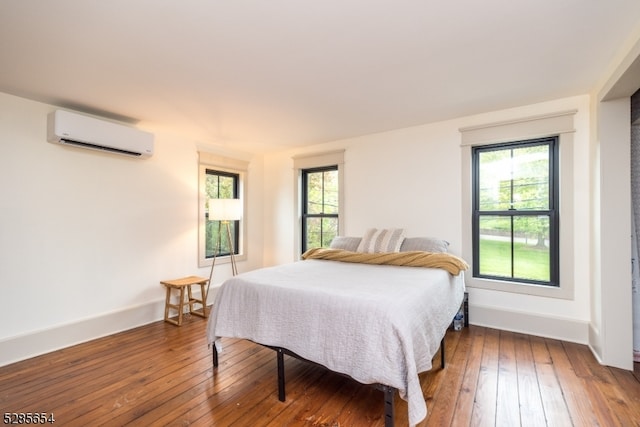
376, 323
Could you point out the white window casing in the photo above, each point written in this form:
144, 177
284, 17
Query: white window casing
560, 124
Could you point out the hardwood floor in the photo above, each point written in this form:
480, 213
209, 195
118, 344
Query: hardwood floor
161, 374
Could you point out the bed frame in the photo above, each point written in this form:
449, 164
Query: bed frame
389, 392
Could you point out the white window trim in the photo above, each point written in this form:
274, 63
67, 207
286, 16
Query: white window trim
309, 161
560, 124
222, 164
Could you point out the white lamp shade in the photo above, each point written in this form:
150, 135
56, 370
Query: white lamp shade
225, 209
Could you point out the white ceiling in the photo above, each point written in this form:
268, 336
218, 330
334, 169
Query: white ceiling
263, 75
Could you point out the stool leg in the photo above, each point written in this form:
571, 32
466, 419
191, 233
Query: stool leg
181, 305
203, 295
190, 298
166, 305
193, 301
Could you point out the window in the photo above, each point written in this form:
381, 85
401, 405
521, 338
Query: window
221, 185
220, 178
319, 199
557, 126
515, 212
320, 205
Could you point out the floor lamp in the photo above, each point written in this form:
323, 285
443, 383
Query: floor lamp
225, 211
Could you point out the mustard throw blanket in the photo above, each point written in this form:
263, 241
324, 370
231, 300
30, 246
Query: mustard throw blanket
445, 261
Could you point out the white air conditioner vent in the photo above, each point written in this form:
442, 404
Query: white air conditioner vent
68, 128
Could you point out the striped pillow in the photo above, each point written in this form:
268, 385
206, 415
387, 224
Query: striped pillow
385, 240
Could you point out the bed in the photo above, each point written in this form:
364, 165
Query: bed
378, 322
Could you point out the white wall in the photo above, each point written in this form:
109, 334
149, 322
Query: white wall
411, 178
85, 237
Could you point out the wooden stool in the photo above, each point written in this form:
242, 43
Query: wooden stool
179, 285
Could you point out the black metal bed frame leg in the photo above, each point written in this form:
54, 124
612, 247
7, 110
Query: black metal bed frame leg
215, 356
442, 352
281, 391
389, 407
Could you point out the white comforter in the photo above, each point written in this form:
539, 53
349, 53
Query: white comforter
376, 323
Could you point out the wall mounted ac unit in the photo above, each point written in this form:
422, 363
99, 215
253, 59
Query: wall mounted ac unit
77, 130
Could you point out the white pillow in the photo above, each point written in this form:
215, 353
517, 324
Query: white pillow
384, 240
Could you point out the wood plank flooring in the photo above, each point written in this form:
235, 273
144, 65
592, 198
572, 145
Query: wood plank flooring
160, 374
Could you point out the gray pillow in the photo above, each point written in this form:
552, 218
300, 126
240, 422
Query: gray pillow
345, 243
426, 244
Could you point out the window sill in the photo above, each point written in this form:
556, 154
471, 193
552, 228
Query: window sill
520, 288
226, 259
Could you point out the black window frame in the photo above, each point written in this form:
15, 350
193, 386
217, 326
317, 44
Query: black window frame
553, 211
235, 234
304, 200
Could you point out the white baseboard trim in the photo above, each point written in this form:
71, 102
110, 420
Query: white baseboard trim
25, 346
528, 323
33, 344
595, 344
21, 347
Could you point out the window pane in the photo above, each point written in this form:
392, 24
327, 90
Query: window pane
329, 230
216, 239
320, 231
314, 232
314, 193
211, 185
227, 187
495, 180
219, 186
216, 234
531, 248
531, 253
211, 236
322, 192
495, 246
330, 192
531, 177
514, 178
